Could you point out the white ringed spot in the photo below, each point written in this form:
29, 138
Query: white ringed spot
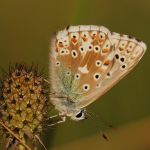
98, 63
96, 76
94, 34
86, 87
62, 52
102, 36
57, 63
82, 49
97, 48
74, 53
90, 47
68, 73
77, 76
67, 52
109, 74
85, 34
123, 66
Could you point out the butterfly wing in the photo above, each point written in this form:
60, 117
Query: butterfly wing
86, 61
127, 53
72, 71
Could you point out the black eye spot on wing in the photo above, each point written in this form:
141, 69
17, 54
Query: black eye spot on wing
117, 56
122, 59
90, 47
108, 74
123, 66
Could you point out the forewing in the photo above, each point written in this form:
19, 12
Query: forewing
80, 57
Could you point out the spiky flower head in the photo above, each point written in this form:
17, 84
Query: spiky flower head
23, 102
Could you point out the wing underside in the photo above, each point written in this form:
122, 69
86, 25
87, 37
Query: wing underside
86, 61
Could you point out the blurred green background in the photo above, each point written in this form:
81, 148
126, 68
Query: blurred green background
25, 30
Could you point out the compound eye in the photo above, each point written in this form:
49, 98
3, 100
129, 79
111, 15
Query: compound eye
79, 115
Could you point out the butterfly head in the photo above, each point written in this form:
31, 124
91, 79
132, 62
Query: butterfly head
73, 111
68, 108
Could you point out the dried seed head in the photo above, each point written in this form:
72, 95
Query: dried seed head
23, 101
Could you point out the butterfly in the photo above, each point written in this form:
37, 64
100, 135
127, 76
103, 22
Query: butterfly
85, 62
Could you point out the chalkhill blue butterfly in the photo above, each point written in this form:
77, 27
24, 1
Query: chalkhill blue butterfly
85, 62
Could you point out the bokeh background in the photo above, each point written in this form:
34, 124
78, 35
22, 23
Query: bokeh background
25, 30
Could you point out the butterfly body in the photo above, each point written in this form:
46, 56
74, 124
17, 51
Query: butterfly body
85, 62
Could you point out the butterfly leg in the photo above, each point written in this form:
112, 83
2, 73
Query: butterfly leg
55, 116
63, 119
40, 141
